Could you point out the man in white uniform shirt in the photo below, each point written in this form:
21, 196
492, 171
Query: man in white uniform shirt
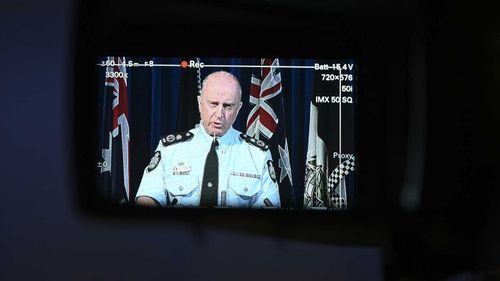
212, 164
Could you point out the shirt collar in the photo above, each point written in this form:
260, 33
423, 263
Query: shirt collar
226, 139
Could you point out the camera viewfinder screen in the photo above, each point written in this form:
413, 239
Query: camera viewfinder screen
206, 132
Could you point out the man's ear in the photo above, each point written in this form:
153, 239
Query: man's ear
239, 107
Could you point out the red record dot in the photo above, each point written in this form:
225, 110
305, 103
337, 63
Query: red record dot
184, 64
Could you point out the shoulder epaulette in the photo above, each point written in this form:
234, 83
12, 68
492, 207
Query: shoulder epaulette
176, 138
258, 143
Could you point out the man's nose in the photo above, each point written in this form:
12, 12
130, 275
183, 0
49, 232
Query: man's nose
219, 113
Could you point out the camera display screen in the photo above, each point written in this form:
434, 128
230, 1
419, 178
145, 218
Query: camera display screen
205, 132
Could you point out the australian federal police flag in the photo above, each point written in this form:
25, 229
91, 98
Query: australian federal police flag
114, 166
266, 121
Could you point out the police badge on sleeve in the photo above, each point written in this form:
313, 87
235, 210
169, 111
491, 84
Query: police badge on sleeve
272, 173
154, 161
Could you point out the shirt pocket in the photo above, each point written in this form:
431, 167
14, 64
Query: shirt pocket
244, 189
184, 188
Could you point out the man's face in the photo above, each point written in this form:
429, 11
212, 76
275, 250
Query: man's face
219, 103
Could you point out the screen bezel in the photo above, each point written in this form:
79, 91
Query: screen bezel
379, 45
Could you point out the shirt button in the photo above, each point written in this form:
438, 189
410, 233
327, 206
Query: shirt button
245, 189
181, 188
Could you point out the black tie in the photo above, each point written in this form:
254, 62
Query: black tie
210, 178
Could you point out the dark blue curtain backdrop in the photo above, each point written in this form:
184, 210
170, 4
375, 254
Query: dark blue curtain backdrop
162, 100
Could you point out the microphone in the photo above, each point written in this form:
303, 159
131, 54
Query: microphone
268, 203
223, 198
174, 202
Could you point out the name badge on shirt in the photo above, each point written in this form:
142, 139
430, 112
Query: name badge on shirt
181, 169
246, 175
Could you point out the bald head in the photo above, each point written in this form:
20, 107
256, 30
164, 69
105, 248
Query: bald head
224, 77
220, 102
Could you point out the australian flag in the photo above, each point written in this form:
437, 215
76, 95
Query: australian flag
266, 121
115, 139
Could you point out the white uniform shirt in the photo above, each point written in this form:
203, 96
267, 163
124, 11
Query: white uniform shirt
246, 174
